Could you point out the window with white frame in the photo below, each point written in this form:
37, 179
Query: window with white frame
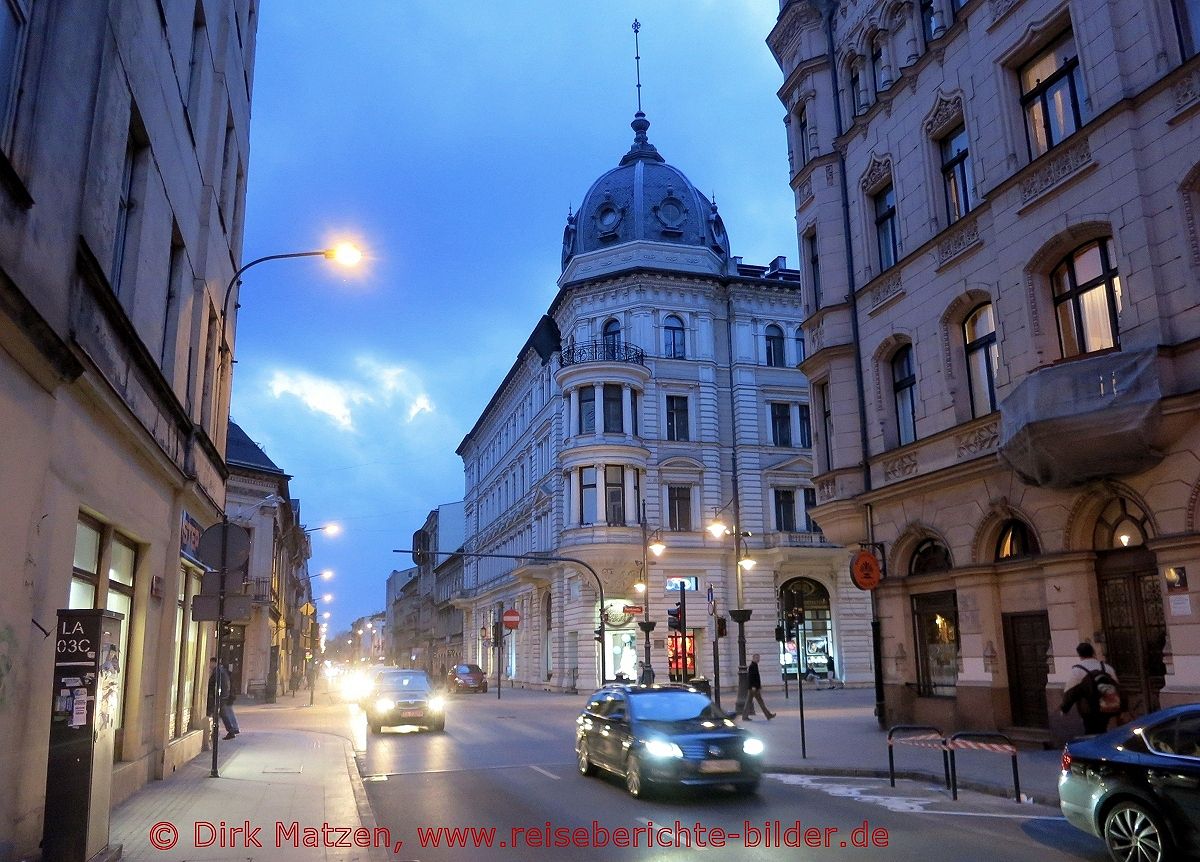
904, 393
614, 494
983, 359
785, 510
957, 178
677, 418
1087, 298
679, 508
1052, 95
673, 347
587, 495
587, 409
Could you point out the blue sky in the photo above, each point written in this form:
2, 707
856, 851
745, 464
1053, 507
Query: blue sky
448, 139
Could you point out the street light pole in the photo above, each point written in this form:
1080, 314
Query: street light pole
646, 625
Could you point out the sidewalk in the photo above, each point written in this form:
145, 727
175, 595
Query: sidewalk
289, 765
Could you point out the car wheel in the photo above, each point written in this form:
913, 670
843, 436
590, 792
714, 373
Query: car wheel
376, 727
1134, 833
586, 767
634, 783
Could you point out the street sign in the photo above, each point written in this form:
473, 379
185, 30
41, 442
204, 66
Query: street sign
512, 618
633, 610
225, 545
237, 608
308, 609
710, 593
864, 570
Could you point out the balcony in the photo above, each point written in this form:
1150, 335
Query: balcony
604, 350
796, 539
1085, 419
261, 591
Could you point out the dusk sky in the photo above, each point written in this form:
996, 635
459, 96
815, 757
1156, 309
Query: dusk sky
448, 139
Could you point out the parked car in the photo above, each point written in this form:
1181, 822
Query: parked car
1138, 787
660, 735
467, 677
405, 697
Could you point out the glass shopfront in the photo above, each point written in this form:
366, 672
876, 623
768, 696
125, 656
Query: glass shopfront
807, 622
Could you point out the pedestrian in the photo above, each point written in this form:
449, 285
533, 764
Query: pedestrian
221, 697
754, 691
831, 674
1091, 687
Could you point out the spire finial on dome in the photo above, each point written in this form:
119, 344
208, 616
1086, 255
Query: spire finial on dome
637, 60
642, 148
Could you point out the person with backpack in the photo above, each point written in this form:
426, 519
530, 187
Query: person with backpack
1092, 688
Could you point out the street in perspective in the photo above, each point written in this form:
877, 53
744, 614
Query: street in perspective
435, 430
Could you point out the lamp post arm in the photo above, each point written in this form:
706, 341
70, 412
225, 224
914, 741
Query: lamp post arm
237, 275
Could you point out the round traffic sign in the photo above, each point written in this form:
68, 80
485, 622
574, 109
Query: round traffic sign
864, 570
511, 618
224, 544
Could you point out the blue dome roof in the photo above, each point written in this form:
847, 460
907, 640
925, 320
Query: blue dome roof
643, 198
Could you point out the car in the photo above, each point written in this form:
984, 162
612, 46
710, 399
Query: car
661, 735
467, 677
1138, 787
405, 697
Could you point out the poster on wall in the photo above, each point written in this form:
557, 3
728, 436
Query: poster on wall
816, 648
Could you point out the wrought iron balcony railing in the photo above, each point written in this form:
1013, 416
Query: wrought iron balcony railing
604, 350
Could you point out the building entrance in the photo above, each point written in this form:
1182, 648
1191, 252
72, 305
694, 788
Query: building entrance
1135, 630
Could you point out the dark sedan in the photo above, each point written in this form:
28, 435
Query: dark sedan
1138, 787
663, 735
405, 697
467, 677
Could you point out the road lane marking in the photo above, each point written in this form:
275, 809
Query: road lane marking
545, 772
419, 771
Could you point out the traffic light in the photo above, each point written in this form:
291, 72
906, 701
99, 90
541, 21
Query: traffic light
598, 635
722, 629
673, 619
497, 633
779, 634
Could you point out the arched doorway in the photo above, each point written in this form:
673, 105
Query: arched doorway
807, 623
1131, 605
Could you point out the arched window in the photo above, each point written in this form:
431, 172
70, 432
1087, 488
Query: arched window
673, 338
612, 338
983, 358
1122, 524
774, 346
929, 557
904, 390
1015, 541
1087, 298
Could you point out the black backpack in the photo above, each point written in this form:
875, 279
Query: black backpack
1099, 690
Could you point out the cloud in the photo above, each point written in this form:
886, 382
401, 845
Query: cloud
373, 386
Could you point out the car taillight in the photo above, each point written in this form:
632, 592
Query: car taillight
1066, 761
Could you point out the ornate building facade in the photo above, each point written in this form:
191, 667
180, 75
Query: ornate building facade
995, 206
660, 389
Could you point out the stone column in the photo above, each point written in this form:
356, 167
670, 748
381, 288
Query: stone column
573, 413
572, 510
626, 410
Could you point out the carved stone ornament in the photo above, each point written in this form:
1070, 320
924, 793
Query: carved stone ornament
898, 468
1187, 90
881, 293
825, 489
879, 171
670, 212
946, 113
1055, 167
958, 241
1000, 8
805, 192
980, 440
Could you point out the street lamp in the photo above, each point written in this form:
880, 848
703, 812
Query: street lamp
330, 529
740, 614
328, 597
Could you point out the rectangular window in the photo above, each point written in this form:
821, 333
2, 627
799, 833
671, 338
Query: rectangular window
679, 508
612, 409
614, 494
785, 510
956, 175
885, 228
1187, 23
86, 566
130, 170
633, 406
810, 503
587, 410
196, 61
587, 495
805, 427
814, 268
1052, 95
799, 346
802, 136
122, 565
935, 626
822, 393
781, 424
677, 418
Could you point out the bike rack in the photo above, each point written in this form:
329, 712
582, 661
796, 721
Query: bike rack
923, 736
981, 741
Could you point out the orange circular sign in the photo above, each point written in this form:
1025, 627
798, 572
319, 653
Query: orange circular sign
864, 570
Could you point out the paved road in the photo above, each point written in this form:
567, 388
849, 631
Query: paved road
508, 766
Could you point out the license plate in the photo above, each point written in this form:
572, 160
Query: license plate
720, 766
410, 713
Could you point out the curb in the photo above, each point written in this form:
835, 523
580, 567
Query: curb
365, 814
913, 775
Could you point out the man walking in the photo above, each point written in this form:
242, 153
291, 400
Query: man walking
220, 698
1091, 687
754, 691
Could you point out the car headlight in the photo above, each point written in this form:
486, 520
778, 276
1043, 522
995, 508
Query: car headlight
752, 746
662, 748
437, 704
384, 705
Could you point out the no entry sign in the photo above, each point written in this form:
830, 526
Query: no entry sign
512, 618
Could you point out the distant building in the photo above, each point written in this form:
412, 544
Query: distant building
1003, 351
436, 639
660, 389
124, 131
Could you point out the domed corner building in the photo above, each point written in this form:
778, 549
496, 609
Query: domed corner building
660, 390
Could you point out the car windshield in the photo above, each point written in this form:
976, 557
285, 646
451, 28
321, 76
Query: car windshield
401, 680
670, 706
468, 668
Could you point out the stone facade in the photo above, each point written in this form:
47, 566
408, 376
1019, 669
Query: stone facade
123, 146
1024, 352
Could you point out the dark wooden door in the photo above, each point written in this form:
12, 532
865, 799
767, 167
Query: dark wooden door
1026, 640
1135, 629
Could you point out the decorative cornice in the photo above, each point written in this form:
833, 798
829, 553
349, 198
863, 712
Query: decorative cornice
1187, 90
885, 290
958, 240
1000, 8
898, 468
947, 112
880, 170
979, 440
1056, 166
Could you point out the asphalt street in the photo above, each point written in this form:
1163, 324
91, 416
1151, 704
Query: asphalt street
503, 776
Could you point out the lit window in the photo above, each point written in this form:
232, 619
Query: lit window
930, 556
1087, 298
935, 624
956, 174
1052, 95
983, 358
1015, 541
904, 387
